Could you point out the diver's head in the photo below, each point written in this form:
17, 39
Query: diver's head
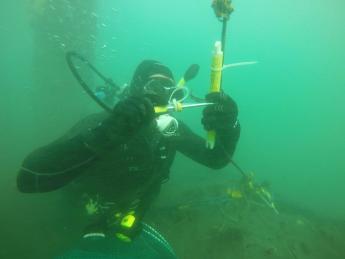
154, 81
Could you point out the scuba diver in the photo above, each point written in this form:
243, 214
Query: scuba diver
123, 158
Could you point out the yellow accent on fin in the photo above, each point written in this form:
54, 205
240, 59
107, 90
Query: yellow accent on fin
123, 237
128, 221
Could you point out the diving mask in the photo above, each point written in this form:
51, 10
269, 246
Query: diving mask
162, 90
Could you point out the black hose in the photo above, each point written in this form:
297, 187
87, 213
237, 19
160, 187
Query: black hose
239, 168
224, 29
73, 55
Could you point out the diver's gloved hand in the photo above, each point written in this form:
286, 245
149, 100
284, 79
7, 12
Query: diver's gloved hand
222, 116
127, 118
130, 114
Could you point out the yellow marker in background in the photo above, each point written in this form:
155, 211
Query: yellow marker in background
216, 78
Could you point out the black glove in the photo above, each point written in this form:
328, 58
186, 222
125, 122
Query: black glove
127, 118
129, 115
222, 116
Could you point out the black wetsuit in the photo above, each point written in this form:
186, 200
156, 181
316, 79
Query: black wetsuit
128, 169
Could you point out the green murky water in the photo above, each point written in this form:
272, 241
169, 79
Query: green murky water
292, 103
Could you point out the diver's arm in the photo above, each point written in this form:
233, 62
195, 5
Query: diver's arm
222, 118
194, 146
54, 165
51, 167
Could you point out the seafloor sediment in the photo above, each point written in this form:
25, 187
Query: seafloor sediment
206, 223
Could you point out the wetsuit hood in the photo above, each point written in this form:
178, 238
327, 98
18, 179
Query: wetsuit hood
153, 80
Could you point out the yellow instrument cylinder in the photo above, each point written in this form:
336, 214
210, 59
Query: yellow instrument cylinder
216, 78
